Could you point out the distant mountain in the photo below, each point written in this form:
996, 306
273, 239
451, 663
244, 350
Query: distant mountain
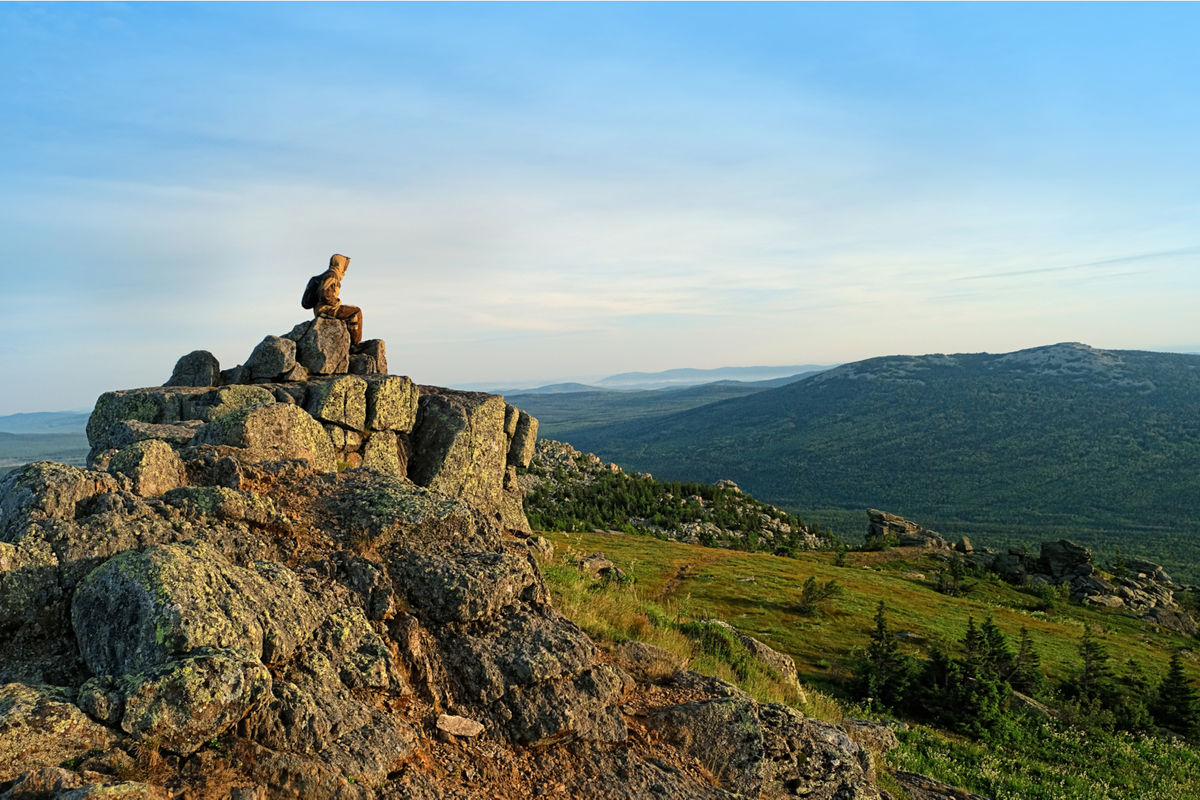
45, 422
679, 378
21, 448
1063, 438
553, 388
560, 414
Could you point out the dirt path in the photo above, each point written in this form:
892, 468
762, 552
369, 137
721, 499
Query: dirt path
686, 571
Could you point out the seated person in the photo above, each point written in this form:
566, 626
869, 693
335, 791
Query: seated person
330, 303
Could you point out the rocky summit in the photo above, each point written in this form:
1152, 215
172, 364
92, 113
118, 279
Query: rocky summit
306, 578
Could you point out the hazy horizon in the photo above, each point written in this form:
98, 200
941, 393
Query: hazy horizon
534, 193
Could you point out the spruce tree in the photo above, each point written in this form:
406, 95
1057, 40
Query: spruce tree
886, 673
1095, 676
1027, 674
1177, 704
998, 659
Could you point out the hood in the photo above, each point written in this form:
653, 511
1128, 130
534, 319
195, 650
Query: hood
338, 263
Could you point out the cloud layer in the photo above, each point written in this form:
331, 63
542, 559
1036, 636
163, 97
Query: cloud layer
539, 192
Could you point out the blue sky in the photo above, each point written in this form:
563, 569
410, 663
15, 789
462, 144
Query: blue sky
542, 192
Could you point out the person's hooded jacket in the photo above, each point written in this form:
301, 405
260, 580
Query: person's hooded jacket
331, 284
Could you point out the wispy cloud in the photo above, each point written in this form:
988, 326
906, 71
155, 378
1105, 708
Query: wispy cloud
1137, 257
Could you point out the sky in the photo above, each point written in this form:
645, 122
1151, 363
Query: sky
541, 192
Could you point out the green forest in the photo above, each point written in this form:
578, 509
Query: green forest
1105, 449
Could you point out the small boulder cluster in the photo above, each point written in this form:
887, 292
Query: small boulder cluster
1141, 587
320, 346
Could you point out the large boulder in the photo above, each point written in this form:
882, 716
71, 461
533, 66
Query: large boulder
224, 400
322, 346
768, 750
183, 704
270, 433
391, 403
368, 357
524, 438
142, 609
152, 467
272, 357
1065, 559
126, 432
158, 404
382, 451
339, 400
882, 525
459, 447
197, 368
46, 490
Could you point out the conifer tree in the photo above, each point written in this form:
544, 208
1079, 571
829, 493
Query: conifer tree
1095, 677
1027, 674
997, 655
886, 673
1177, 704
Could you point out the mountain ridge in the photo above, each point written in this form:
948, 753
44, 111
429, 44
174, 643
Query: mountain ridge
1061, 435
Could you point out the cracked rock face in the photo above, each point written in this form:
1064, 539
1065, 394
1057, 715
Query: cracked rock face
320, 625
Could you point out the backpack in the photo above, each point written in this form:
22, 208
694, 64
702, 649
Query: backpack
312, 292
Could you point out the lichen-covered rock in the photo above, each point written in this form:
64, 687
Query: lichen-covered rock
40, 726
197, 368
143, 609
225, 400
536, 678
314, 707
391, 403
382, 452
151, 465
127, 432
273, 356
121, 790
768, 750
230, 505
43, 782
373, 353
459, 446
46, 490
157, 404
271, 433
182, 704
322, 346
339, 400
524, 439
467, 586
298, 373
28, 577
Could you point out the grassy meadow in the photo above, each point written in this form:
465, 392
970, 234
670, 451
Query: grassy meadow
672, 584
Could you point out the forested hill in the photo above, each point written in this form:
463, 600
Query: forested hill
1058, 437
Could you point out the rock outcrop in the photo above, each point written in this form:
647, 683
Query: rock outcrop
903, 533
294, 399
235, 615
556, 470
1142, 588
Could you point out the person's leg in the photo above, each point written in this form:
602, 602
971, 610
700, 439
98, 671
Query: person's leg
353, 317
